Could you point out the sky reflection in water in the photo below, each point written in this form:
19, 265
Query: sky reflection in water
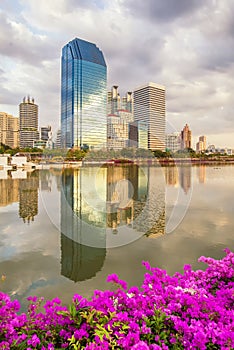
127, 214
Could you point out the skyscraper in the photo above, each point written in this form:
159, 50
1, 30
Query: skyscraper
28, 120
186, 137
83, 96
149, 107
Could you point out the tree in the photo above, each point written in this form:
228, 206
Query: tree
127, 152
159, 154
75, 154
144, 153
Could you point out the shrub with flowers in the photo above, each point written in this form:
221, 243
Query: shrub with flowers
193, 310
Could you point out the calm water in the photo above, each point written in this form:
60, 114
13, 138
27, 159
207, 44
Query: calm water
64, 231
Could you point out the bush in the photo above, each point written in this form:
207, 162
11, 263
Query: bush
193, 310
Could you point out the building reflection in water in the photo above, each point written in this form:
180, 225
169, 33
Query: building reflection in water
149, 204
28, 196
180, 175
20, 186
83, 222
83, 205
171, 175
80, 262
9, 189
45, 180
185, 173
136, 197
98, 200
121, 192
201, 173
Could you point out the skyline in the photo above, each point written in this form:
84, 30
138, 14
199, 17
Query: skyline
188, 49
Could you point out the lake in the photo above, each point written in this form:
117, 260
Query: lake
63, 231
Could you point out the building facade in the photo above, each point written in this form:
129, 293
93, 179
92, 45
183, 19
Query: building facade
28, 122
201, 144
118, 129
186, 137
138, 135
58, 139
45, 132
45, 140
83, 96
149, 106
173, 142
9, 130
115, 102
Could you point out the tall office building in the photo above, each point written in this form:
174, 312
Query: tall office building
116, 102
118, 129
201, 144
186, 137
9, 130
28, 120
149, 106
119, 118
83, 96
113, 100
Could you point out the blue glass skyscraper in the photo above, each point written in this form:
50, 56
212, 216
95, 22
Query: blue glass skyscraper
83, 96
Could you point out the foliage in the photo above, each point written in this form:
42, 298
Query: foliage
4, 148
75, 154
193, 310
161, 154
124, 153
143, 153
185, 153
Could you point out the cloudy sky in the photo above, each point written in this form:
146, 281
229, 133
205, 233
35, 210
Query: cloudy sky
186, 45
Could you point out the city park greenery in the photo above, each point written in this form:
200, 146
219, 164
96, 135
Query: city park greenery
129, 153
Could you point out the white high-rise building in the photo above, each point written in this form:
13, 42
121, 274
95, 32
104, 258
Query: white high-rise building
149, 106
